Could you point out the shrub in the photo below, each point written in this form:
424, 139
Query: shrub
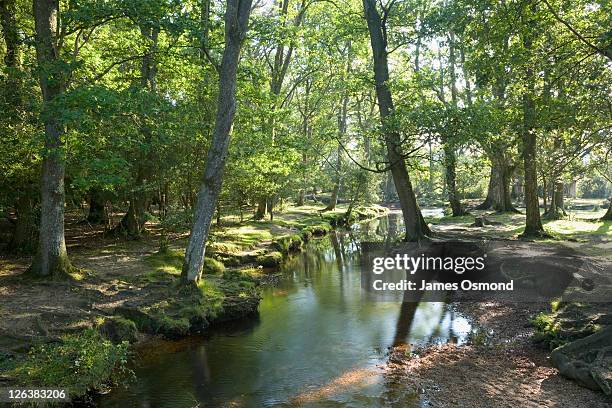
80, 362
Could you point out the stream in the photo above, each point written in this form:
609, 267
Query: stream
318, 341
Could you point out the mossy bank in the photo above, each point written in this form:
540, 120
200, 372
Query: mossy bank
124, 300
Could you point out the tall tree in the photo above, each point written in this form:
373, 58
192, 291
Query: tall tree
236, 26
416, 228
52, 257
533, 222
283, 54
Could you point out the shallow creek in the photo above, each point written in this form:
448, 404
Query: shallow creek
318, 340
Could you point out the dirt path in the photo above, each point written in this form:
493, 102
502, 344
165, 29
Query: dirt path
501, 366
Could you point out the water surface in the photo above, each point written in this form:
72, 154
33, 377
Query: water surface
318, 340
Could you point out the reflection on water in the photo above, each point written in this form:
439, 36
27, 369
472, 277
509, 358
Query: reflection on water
318, 340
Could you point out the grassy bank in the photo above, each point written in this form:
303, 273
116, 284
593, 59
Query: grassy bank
79, 333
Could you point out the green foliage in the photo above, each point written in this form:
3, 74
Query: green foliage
81, 362
117, 329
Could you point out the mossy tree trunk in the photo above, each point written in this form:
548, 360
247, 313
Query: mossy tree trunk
236, 24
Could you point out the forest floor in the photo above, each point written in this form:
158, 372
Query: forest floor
508, 362
129, 289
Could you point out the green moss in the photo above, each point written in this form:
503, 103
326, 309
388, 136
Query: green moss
334, 219
567, 322
270, 260
317, 230
80, 362
213, 266
117, 329
169, 261
173, 326
288, 243
223, 247
241, 237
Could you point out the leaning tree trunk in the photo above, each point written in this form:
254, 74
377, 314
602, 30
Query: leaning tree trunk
52, 257
533, 221
236, 25
416, 228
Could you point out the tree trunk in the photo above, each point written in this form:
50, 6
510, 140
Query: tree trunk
544, 194
236, 25
450, 156
502, 200
24, 235
301, 197
342, 115
450, 164
134, 220
416, 228
52, 257
97, 208
608, 215
533, 222
333, 198
132, 224
488, 202
262, 206
559, 200
389, 188
557, 205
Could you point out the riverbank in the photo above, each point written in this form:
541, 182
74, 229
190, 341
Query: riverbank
501, 365
128, 292
514, 358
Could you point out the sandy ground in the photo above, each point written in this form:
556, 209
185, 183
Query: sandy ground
503, 368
